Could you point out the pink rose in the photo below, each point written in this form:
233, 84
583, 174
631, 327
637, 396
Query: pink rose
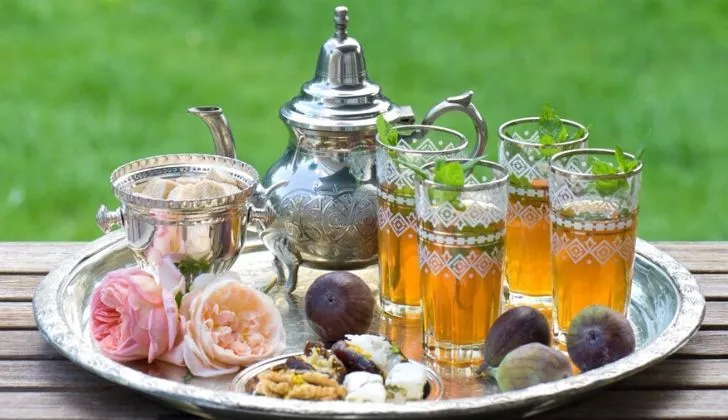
133, 317
228, 325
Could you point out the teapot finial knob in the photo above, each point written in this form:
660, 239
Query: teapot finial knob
341, 20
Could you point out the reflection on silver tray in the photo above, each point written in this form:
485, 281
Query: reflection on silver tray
666, 310
242, 379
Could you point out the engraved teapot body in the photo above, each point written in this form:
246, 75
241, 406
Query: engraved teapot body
325, 200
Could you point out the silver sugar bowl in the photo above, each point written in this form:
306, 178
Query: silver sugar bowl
197, 235
326, 209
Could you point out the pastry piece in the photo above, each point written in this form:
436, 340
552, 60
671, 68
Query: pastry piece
302, 385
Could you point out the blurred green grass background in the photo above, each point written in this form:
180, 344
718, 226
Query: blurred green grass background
88, 85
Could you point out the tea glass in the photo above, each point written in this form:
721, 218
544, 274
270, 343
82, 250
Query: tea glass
460, 239
399, 274
528, 243
593, 234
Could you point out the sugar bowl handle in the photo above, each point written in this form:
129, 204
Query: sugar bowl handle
462, 103
106, 219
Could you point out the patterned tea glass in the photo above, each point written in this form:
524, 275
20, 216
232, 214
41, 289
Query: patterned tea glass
528, 244
399, 276
460, 237
593, 234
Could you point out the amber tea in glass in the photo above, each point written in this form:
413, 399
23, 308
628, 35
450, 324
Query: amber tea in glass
399, 273
528, 242
460, 236
593, 234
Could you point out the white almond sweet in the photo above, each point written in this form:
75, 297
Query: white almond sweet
406, 381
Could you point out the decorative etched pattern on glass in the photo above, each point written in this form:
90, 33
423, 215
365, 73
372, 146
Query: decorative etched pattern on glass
417, 152
477, 208
459, 240
396, 222
593, 225
457, 264
578, 249
573, 180
402, 200
530, 215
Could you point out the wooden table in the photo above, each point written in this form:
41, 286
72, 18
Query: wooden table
36, 382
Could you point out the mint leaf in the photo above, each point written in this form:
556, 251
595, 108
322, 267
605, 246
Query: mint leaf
519, 181
624, 164
387, 133
563, 134
548, 122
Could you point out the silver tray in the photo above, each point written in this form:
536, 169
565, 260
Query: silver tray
666, 310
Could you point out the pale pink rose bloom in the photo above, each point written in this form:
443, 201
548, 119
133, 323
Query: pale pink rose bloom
228, 325
133, 317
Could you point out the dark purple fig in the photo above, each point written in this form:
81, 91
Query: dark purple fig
514, 328
597, 336
339, 303
352, 359
531, 364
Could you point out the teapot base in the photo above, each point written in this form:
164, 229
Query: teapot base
287, 261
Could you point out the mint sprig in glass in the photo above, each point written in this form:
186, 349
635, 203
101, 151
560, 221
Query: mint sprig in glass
526, 146
401, 152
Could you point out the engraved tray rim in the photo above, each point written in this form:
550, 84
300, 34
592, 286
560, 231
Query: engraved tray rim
47, 310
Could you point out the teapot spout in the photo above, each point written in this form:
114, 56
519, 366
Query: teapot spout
219, 128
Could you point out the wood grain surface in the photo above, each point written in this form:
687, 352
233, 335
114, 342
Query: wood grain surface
38, 383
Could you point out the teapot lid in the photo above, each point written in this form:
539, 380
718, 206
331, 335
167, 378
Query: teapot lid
340, 97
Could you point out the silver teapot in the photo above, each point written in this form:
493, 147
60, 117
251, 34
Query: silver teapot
322, 190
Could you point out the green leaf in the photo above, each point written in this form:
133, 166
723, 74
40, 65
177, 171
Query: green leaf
402, 161
563, 135
387, 133
178, 299
547, 139
623, 164
599, 167
519, 181
449, 173
548, 121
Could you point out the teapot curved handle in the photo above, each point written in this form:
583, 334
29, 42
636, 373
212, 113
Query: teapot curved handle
462, 103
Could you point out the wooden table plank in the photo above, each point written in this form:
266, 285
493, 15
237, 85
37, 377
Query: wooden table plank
34, 257
699, 257
713, 286
114, 403
679, 374
653, 405
706, 344
16, 315
26, 345
18, 287
606, 405
47, 375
